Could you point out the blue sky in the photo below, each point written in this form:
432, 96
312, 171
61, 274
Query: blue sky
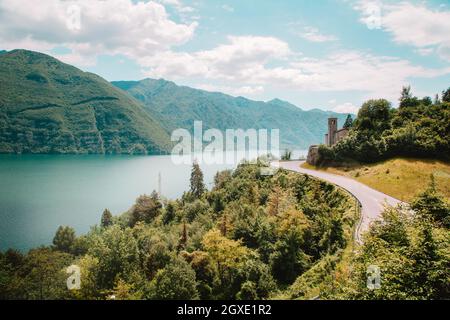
327, 54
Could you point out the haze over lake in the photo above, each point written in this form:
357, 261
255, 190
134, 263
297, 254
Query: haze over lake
38, 193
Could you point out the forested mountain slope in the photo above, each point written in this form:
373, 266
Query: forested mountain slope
47, 106
179, 106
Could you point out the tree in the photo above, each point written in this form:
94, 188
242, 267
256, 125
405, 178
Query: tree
254, 280
374, 116
183, 238
392, 227
406, 93
288, 260
117, 253
430, 203
125, 291
89, 272
175, 282
146, 209
226, 253
106, 219
407, 100
64, 239
426, 101
248, 291
204, 271
279, 201
348, 122
197, 185
446, 95
169, 214
46, 278
411, 269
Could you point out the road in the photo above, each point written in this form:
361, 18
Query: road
372, 201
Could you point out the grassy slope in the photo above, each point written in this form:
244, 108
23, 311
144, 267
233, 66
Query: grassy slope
400, 178
178, 107
50, 107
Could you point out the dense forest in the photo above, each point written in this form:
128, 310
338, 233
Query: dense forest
252, 236
417, 128
50, 107
411, 248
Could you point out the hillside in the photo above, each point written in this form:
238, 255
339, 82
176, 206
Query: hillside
401, 178
50, 107
178, 107
417, 128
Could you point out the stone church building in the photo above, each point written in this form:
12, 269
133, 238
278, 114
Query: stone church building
331, 138
334, 135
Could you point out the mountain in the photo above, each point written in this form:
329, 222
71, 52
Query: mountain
178, 106
47, 106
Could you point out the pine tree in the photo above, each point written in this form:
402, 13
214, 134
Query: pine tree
169, 214
64, 239
348, 122
183, 239
407, 99
406, 93
197, 184
223, 225
106, 219
431, 203
446, 95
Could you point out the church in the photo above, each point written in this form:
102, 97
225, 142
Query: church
331, 138
334, 135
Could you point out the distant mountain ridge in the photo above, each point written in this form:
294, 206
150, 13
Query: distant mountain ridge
179, 106
47, 106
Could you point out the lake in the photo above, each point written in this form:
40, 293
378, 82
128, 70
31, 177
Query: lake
38, 193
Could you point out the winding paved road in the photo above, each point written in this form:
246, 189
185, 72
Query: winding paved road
372, 201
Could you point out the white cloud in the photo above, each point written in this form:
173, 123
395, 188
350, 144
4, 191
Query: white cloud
377, 75
444, 51
312, 34
414, 25
266, 61
236, 60
178, 5
243, 65
106, 27
346, 108
425, 51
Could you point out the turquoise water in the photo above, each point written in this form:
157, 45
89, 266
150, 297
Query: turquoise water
38, 193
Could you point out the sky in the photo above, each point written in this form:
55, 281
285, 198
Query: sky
326, 54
